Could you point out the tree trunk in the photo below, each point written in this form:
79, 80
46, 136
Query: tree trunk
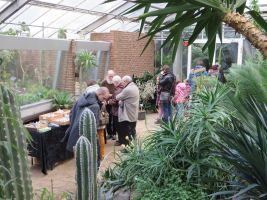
243, 26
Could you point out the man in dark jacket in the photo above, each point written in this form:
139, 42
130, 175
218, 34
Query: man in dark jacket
92, 101
167, 84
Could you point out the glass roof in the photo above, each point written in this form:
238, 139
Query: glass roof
45, 17
78, 17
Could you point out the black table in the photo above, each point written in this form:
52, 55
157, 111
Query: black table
48, 147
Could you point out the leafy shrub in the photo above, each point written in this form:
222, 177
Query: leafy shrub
35, 93
174, 188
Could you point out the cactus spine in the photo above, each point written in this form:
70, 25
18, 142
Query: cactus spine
87, 129
13, 151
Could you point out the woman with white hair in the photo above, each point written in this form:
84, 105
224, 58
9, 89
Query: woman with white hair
128, 109
115, 107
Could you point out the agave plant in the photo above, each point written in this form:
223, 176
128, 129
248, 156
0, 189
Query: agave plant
62, 100
245, 147
208, 15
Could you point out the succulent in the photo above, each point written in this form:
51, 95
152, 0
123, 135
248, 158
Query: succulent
86, 156
13, 150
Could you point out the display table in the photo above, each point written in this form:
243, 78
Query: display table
48, 147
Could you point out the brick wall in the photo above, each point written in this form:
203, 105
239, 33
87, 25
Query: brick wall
125, 52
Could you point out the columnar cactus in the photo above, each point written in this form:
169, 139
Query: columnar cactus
13, 152
87, 128
84, 160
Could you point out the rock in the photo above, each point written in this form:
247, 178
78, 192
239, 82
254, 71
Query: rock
122, 194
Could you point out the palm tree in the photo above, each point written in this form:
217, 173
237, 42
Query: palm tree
208, 15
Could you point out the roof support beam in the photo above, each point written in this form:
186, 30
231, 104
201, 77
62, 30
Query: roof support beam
12, 9
104, 19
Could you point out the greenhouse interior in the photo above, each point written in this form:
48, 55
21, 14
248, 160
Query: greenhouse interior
133, 99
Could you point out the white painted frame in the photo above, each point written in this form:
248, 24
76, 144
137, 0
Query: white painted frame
239, 41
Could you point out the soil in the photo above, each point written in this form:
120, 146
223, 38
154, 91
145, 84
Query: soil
62, 177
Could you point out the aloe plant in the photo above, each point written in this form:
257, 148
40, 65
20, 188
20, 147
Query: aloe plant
62, 100
13, 149
86, 157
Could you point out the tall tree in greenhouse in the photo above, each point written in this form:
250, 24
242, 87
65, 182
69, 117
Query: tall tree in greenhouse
208, 15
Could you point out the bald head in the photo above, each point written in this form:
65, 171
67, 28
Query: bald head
102, 94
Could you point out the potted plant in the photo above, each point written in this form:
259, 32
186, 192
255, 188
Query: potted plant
84, 60
147, 90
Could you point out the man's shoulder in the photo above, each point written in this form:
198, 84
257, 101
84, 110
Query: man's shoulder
103, 82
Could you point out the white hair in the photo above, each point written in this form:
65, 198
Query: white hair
116, 79
127, 78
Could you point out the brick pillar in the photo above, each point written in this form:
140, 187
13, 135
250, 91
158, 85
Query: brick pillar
69, 69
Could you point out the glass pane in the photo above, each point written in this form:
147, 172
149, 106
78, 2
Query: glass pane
65, 19
89, 4
18, 13
197, 54
71, 3
228, 54
49, 17
108, 6
30, 15
3, 5
31, 78
81, 21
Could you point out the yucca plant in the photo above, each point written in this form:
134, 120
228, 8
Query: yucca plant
245, 147
208, 15
62, 100
84, 60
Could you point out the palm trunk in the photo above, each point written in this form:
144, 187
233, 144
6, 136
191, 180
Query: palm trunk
243, 26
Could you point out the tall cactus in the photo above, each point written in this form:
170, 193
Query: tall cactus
87, 128
84, 159
13, 152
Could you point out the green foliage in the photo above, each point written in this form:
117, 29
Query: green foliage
206, 15
173, 188
182, 145
250, 78
62, 100
13, 150
45, 194
62, 33
34, 93
86, 157
7, 57
85, 60
147, 88
244, 145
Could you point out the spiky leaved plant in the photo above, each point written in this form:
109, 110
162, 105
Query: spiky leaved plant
13, 153
87, 128
201, 15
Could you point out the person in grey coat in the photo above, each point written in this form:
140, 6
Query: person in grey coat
92, 101
128, 109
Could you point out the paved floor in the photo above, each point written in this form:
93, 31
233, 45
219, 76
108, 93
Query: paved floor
62, 177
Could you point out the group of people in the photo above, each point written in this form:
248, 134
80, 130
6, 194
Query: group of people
172, 91
120, 97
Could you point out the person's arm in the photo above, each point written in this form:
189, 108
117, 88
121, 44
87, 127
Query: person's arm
164, 80
123, 95
95, 109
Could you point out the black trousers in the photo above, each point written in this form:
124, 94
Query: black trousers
109, 127
125, 129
